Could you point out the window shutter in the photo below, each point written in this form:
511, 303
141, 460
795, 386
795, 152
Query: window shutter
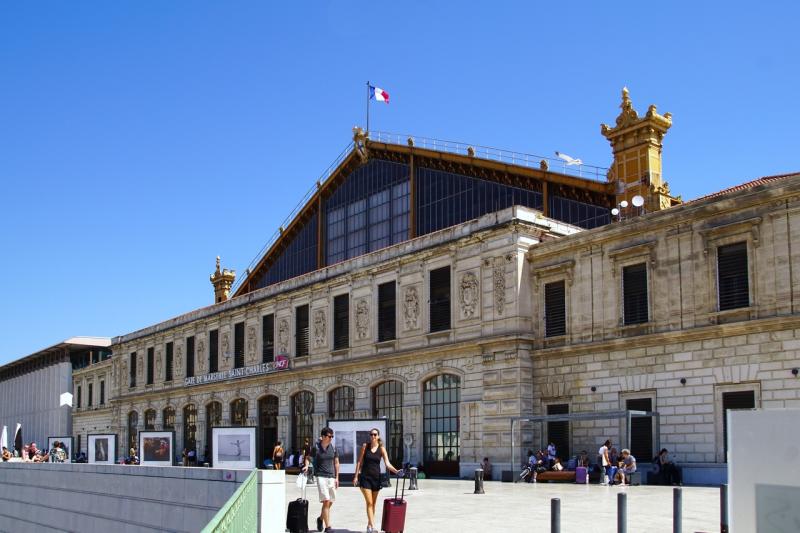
301, 331
555, 318
386, 312
238, 345
634, 288
440, 299
268, 338
341, 321
168, 361
734, 289
190, 356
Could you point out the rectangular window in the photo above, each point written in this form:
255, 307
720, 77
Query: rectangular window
341, 321
558, 432
238, 345
132, 369
555, 310
168, 360
641, 429
440, 299
102, 393
150, 365
213, 350
268, 338
89, 395
301, 331
386, 311
190, 356
734, 400
79, 396
734, 288
634, 291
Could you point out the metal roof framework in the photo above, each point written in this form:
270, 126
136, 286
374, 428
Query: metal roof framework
628, 415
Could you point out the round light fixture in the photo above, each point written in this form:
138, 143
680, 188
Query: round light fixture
615, 211
623, 204
638, 201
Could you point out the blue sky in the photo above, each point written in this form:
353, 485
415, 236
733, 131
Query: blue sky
141, 139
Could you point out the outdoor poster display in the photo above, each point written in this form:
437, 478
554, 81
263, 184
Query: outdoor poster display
66, 442
350, 435
234, 447
102, 449
157, 448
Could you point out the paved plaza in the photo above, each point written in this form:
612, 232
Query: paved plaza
449, 506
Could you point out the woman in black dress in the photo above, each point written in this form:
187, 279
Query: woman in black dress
368, 473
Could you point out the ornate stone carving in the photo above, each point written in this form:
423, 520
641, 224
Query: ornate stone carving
499, 280
320, 328
362, 318
283, 336
468, 294
251, 344
411, 308
226, 345
201, 360
179, 358
158, 365
140, 368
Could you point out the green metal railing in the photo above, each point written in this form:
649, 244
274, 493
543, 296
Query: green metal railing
240, 513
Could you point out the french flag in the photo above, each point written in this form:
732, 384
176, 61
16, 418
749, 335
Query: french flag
376, 93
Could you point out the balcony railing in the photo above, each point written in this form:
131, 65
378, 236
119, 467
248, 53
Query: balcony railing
240, 513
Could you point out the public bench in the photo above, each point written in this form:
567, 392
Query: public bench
567, 476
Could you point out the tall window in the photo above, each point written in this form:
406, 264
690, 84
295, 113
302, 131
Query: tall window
341, 321
387, 313
342, 403
734, 287
79, 397
268, 338
150, 365
387, 401
168, 361
302, 419
238, 345
213, 419
301, 331
634, 294
267, 426
734, 400
555, 310
440, 299
190, 426
89, 396
169, 418
132, 369
558, 432
150, 419
133, 422
190, 356
102, 393
441, 398
239, 412
213, 350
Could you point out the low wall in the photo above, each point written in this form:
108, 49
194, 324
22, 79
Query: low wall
88, 498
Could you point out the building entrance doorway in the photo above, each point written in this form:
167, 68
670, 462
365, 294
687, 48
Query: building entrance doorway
267, 428
441, 398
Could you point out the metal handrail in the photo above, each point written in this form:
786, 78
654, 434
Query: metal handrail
240, 512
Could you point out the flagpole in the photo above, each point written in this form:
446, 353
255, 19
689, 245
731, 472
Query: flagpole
367, 107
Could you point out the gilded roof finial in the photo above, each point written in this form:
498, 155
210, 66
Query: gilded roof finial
628, 114
217, 271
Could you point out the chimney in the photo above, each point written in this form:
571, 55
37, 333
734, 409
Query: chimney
636, 144
222, 281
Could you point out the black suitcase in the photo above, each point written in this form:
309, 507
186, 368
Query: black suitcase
297, 517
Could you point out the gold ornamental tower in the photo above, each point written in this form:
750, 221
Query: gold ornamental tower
222, 281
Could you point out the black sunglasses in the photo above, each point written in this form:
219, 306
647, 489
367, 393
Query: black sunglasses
373, 434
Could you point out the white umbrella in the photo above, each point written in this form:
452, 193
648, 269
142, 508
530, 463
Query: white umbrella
4, 437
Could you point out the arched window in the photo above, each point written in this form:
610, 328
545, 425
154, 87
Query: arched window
387, 401
190, 427
341, 403
239, 412
267, 426
302, 419
150, 420
213, 419
133, 436
169, 418
441, 397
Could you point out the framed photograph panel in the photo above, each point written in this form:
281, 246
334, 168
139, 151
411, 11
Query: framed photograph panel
66, 442
350, 435
102, 449
157, 448
234, 447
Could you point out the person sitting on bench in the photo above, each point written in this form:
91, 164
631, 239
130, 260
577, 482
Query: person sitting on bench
627, 466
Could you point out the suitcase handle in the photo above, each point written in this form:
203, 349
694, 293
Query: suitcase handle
397, 485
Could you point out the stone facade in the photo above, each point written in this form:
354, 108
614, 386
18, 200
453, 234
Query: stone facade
96, 417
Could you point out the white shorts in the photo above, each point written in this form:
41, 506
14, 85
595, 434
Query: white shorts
327, 488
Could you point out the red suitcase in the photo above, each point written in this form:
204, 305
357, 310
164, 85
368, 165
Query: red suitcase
394, 511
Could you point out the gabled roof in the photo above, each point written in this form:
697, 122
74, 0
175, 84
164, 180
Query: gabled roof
521, 170
747, 185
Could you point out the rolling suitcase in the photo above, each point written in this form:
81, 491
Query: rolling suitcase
297, 516
581, 475
394, 511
